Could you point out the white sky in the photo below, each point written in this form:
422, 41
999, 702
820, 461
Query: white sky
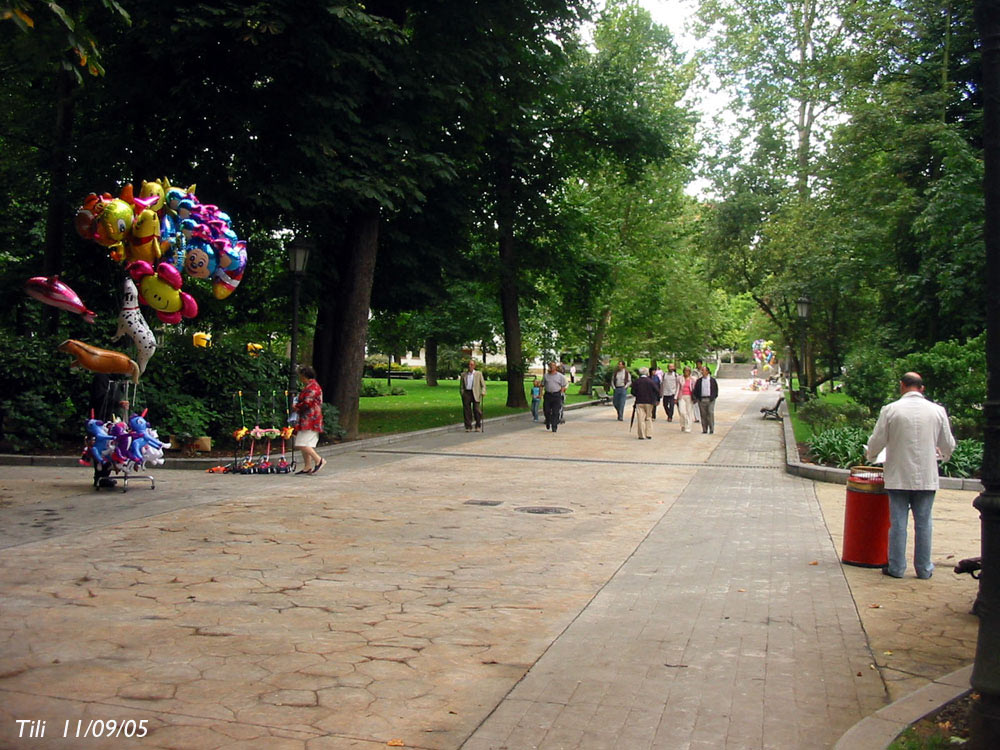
676, 15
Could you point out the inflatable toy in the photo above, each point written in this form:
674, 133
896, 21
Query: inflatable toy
131, 322
143, 241
141, 437
161, 290
152, 454
154, 189
51, 291
95, 359
119, 432
102, 447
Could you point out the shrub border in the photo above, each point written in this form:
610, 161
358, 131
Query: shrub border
839, 476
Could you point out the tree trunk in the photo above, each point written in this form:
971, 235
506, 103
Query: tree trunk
508, 284
594, 358
56, 219
431, 360
342, 322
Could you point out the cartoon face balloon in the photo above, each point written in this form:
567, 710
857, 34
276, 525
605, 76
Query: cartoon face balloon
113, 223
199, 262
151, 189
161, 290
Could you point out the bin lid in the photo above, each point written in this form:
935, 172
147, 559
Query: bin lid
866, 478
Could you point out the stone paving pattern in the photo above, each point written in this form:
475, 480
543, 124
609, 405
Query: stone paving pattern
677, 605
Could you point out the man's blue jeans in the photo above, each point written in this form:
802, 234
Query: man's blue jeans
619, 399
900, 503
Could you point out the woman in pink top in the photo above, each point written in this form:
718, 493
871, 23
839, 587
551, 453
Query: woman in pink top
684, 404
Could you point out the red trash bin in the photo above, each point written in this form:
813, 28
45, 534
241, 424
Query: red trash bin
866, 519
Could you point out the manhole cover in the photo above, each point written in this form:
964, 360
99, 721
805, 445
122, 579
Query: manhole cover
490, 503
544, 510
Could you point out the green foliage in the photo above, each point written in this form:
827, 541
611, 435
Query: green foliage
193, 387
966, 461
842, 447
822, 414
189, 391
331, 422
44, 404
869, 378
954, 374
373, 390
185, 417
32, 420
913, 740
451, 361
494, 372
381, 370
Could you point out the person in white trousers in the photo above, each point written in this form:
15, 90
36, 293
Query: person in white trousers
684, 404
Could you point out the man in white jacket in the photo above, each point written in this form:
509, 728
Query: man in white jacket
915, 434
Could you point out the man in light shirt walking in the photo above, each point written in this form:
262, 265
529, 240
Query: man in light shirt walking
554, 383
915, 434
621, 379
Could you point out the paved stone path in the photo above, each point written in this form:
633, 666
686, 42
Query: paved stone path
731, 625
403, 598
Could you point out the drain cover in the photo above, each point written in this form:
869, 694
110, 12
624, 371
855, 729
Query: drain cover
544, 510
490, 503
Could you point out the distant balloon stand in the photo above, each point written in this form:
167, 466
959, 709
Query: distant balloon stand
162, 236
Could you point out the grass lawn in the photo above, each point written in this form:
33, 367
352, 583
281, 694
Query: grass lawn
423, 407
803, 432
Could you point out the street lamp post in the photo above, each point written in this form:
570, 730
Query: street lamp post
985, 720
298, 258
802, 305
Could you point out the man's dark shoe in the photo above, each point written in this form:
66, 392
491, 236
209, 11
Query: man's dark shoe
885, 572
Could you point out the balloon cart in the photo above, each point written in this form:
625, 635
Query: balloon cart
126, 477
119, 449
158, 238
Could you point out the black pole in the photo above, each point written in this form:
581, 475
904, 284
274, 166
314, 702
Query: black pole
985, 720
294, 358
802, 359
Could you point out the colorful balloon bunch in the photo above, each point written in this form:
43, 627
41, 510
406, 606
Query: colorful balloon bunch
198, 238
166, 226
763, 354
161, 233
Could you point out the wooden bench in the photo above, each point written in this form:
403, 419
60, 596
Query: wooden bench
393, 375
600, 394
772, 412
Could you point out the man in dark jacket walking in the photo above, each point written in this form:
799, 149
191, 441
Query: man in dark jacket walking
704, 393
647, 393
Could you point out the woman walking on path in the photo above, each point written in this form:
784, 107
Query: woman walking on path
309, 408
684, 404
